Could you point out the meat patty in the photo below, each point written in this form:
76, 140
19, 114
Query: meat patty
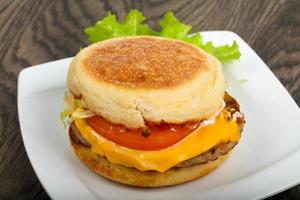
210, 155
214, 153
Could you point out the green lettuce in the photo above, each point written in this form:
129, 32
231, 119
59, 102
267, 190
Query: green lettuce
109, 27
171, 27
223, 53
74, 108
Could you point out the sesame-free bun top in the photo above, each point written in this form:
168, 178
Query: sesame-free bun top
131, 80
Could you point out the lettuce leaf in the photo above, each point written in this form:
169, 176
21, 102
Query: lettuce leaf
171, 27
133, 24
223, 53
109, 27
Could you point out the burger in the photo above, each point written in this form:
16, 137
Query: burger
149, 111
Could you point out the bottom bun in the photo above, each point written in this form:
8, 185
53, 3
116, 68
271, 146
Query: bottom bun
132, 176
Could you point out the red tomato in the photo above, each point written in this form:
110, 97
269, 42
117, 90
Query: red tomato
155, 137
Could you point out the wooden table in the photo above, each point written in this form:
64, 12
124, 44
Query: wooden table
34, 32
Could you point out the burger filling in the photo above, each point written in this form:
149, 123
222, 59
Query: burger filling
164, 146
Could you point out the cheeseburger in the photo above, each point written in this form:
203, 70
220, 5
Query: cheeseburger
149, 111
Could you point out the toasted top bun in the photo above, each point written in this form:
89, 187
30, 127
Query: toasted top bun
131, 80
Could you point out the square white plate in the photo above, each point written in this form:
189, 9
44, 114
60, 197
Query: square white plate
266, 160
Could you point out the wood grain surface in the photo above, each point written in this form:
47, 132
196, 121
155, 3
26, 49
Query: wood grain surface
38, 31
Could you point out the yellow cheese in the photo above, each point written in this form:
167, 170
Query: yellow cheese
201, 140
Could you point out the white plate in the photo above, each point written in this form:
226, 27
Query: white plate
266, 160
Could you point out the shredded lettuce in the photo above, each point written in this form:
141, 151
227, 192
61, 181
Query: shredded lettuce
74, 108
79, 103
63, 115
171, 27
81, 113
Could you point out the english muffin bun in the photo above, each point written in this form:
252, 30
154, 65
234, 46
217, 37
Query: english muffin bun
131, 80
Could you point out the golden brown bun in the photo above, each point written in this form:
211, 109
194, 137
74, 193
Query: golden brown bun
132, 176
136, 79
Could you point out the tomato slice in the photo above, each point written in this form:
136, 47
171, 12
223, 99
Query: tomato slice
155, 137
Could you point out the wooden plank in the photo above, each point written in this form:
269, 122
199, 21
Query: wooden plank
34, 32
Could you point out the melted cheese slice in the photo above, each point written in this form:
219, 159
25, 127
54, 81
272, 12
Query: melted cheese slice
201, 140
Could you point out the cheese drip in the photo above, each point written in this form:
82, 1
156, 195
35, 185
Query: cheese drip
200, 141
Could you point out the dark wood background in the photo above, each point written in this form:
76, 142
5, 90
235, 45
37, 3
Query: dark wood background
38, 31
